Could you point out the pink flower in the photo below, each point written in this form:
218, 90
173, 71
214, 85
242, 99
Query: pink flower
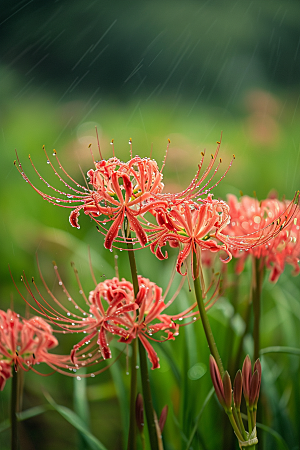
117, 191
120, 191
268, 230
24, 343
190, 226
112, 310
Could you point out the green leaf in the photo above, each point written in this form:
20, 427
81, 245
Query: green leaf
74, 420
207, 399
278, 349
281, 442
24, 415
275, 434
81, 407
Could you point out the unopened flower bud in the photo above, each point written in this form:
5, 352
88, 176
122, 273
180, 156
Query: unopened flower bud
237, 390
227, 390
163, 418
254, 388
246, 377
217, 380
257, 366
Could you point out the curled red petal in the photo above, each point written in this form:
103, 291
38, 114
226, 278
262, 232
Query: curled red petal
73, 218
113, 231
137, 228
150, 351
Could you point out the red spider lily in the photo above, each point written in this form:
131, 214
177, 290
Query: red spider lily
122, 191
128, 192
112, 311
191, 226
118, 191
271, 225
24, 343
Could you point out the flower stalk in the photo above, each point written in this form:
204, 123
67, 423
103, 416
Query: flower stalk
143, 364
204, 319
133, 388
257, 279
14, 410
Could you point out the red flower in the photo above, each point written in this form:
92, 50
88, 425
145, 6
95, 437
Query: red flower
24, 343
118, 191
268, 230
122, 190
190, 226
112, 311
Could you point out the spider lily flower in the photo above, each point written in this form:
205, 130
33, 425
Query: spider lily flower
25, 343
268, 230
117, 191
190, 226
111, 310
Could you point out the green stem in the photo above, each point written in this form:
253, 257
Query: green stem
250, 424
14, 410
234, 425
148, 405
240, 423
204, 319
133, 388
256, 300
133, 268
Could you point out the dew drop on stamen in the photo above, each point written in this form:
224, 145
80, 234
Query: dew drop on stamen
78, 378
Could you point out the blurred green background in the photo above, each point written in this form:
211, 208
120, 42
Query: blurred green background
187, 71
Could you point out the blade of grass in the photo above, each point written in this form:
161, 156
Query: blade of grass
81, 407
24, 415
77, 423
279, 349
207, 399
275, 434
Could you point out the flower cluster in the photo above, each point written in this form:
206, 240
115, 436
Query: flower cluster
246, 382
249, 217
25, 343
112, 310
127, 197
